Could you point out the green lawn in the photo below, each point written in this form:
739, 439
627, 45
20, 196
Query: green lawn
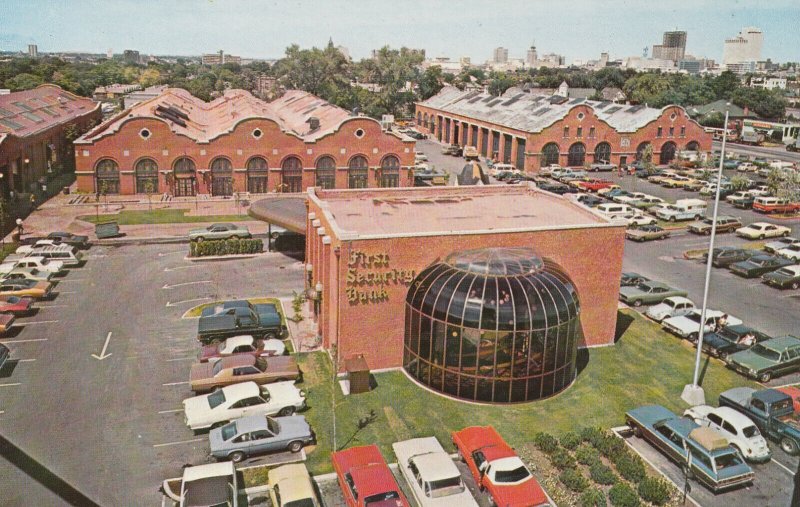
7, 249
160, 216
646, 366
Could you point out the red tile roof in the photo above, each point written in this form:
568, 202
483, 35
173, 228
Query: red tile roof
31, 111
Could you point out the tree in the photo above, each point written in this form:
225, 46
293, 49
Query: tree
499, 82
23, 82
647, 159
430, 83
784, 184
725, 84
715, 120
765, 103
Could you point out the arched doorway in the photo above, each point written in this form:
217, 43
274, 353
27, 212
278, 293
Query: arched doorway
602, 153
326, 172
146, 172
107, 173
292, 175
550, 154
221, 177
183, 172
390, 172
667, 153
357, 172
577, 155
693, 146
640, 150
257, 171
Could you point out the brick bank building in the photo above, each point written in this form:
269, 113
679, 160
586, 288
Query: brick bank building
533, 131
178, 144
470, 296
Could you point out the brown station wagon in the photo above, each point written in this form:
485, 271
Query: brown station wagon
242, 368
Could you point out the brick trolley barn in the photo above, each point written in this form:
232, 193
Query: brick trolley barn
534, 131
471, 296
35, 134
178, 144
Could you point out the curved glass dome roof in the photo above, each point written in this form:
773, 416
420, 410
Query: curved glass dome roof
495, 324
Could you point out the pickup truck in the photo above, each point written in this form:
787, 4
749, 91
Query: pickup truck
772, 412
234, 318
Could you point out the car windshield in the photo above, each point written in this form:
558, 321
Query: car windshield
229, 431
783, 271
766, 353
273, 425
381, 497
727, 334
514, 475
750, 432
216, 368
694, 317
727, 460
216, 399
446, 487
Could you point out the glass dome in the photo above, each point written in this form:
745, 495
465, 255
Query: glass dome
496, 325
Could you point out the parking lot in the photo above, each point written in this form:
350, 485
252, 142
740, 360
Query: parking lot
103, 367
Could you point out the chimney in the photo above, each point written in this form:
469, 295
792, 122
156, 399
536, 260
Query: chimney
313, 123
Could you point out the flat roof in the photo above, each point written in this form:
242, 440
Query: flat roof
428, 211
287, 211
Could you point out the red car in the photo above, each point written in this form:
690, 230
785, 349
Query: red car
794, 392
15, 304
497, 468
365, 479
593, 185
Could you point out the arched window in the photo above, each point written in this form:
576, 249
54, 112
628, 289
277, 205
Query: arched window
390, 172
640, 150
326, 172
146, 171
184, 175
107, 172
257, 172
577, 155
693, 146
357, 171
425, 120
602, 153
550, 154
419, 118
221, 176
667, 153
292, 175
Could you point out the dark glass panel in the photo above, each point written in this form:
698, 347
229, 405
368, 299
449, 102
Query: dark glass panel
452, 356
474, 304
439, 336
502, 390
455, 313
446, 291
489, 315
505, 305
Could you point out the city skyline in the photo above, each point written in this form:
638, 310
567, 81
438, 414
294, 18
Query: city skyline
255, 30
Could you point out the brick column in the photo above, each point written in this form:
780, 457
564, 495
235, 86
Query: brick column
514, 147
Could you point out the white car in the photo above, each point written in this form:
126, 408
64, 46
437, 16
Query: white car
759, 191
637, 219
212, 484
674, 306
688, 326
780, 244
741, 194
28, 274
548, 169
761, 230
240, 400
736, 427
790, 252
33, 262
747, 167
648, 202
433, 477
420, 157
629, 198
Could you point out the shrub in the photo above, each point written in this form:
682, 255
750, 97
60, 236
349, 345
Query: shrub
574, 480
630, 467
587, 455
622, 495
601, 474
562, 459
546, 442
570, 440
654, 490
592, 435
225, 247
610, 446
593, 498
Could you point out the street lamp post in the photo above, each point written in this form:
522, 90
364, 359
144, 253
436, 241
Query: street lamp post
692, 393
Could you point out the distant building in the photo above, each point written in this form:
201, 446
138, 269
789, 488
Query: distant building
612, 94
110, 53
744, 48
768, 83
131, 56
114, 91
531, 57
344, 51
33, 50
673, 47
134, 97
719, 107
645, 64
742, 68
500, 55
265, 85
445, 63
690, 66
550, 60
220, 58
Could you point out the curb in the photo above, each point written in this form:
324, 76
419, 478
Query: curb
223, 257
162, 240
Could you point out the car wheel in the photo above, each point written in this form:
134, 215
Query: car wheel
765, 377
786, 233
789, 446
200, 238
270, 336
692, 338
637, 303
295, 446
671, 219
236, 457
795, 285
286, 411
723, 356
762, 237
637, 431
707, 232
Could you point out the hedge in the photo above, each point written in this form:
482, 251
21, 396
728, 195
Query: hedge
603, 475
630, 467
225, 247
622, 495
654, 490
562, 459
593, 498
570, 440
587, 455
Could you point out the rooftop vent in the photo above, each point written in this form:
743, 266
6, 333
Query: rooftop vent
313, 123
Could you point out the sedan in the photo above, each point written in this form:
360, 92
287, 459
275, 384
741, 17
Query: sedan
638, 220
732, 339
67, 238
15, 305
787, 277
648, 293
290, 486
219, 231
647, 233
31, 288
780, 244
735, 427
241, 368
759, 265
647, 202
28, 274
6, 321
762, 230
365, 479
244, 344
724, 256
254, 435
631, 279
724, 224
768, 359
790, 252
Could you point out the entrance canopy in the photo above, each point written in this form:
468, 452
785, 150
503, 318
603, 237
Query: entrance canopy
287, 211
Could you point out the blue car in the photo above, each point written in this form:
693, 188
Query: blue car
709, 457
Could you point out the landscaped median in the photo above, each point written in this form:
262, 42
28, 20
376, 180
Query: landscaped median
160, 216
198, 310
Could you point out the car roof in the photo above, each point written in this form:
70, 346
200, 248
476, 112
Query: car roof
733, 416
679, 299
651, 283
241, 390
242, 339
251, 423
293, 481
435, 466
210, 470
238, 360
781, 342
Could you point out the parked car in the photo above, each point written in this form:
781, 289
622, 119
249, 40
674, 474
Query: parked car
790, 252
602, 166
68, 256
219, 231
6, 321
28, 274
670, 307
683, 209
240, 400
638, 220
724, 224
291, 486
771, 411
229, 370
29, 288
628, 197
736, 427
647, 233
630, 279
764, 204
453, 149
743, 201
732, 339
768, 359
257, 434
688, 326
762, 230
759, 265
704, 453
31, 262
612, 191
557, 188
15, 305
432, 476
647, 202
365, 479
787, 277
724, 256
67, 238
590, 200
649, 293
780, 244
238, 317
496, 467
242, 344
593, 185
471, 153
794, 393
214, 484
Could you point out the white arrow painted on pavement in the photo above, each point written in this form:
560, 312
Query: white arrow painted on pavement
167, 286
176, 303
103, 354
167, 270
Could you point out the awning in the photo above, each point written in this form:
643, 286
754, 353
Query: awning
287, 211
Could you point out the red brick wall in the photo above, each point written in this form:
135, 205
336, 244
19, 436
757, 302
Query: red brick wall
126, 147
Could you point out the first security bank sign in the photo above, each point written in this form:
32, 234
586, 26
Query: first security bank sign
369, 274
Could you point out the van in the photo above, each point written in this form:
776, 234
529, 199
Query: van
67, 255
683, 209
615, 210
764, 204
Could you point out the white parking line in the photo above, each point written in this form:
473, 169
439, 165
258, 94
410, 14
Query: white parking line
782, 466
52, 306
181, 359
37, 322
176, 383
66, 292
24, 341
73, 280
25, 360
10, 385
181, 442
171, 411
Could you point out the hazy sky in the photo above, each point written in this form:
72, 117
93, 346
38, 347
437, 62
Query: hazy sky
261, 28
